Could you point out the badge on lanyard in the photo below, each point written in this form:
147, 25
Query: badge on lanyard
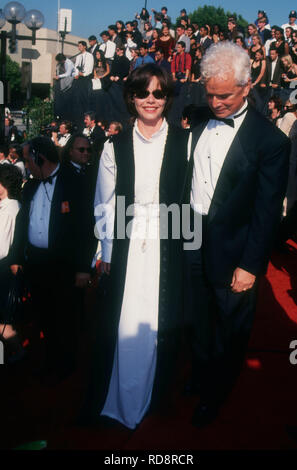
65, 207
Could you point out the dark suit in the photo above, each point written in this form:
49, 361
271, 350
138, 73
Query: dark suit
51, 272
276, 78
238, 232
205, 44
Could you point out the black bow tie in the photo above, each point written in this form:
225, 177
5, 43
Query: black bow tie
49, 179
229, 121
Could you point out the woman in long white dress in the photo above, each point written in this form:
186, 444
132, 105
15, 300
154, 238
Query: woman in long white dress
144, 167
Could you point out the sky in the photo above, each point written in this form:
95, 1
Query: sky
92, 16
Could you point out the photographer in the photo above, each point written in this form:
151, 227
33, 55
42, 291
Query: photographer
61, 138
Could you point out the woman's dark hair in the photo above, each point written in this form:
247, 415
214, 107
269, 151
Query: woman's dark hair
102, 58
139, 80
121, 23
241, 40
144, 15
69, 145
11, 179
277, 102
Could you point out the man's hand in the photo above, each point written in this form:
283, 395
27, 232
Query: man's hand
82, 279
242, 280
183, 80
76, 77
105, 267
14, 268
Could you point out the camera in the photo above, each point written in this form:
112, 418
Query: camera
47, 130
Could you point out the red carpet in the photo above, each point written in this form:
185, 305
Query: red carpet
262, 403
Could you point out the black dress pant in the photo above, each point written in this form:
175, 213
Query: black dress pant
219, 324
55, 307
81, 90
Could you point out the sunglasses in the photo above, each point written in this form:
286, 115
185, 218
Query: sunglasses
84, 149
158, 94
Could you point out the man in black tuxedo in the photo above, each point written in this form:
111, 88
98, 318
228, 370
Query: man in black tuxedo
271, 83
273, 71
54, 244
237, 179
95, 134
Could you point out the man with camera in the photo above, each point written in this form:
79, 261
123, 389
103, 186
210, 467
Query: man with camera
54, 246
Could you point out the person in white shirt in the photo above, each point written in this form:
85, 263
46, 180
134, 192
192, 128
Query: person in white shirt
54, 243
292, 20
61, 139
10, 193
84, 62
65, 67
239, 180
108, 47
84, 66
14, 156
140, 164
181, 36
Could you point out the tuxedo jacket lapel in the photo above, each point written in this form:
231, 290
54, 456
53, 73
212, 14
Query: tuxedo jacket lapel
196, 133
55, 214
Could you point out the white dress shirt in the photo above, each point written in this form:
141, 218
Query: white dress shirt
209, 156
40, 210
109, 49
8, 212
86, 61
186, 40
273, 65
69, 69
63, 140
20, 165
288, 25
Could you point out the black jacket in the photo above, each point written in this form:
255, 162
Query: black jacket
71, 225
246, 207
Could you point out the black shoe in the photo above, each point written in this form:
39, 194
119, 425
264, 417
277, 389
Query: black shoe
204, 415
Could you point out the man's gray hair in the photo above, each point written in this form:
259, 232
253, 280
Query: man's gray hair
223, 58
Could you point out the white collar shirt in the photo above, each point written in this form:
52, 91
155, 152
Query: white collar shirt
63, 140
149, 151
84, 63
273, 65
40, 210
8, 212
109, 49
69, 69
209, 156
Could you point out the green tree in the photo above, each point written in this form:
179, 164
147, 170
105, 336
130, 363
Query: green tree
211, 15
39, 114
13, 75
